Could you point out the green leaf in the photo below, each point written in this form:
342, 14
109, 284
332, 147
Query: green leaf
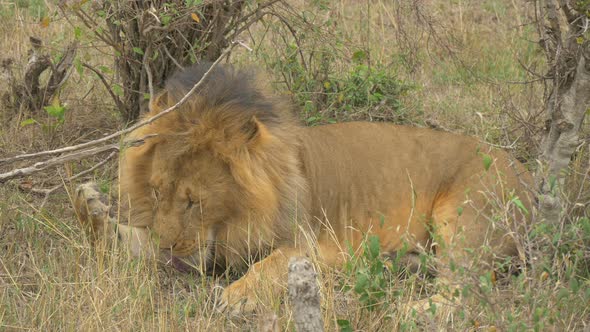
552, 182
118, 90
574, 285
344, 325
27, 122
359, 56
465, 290
312, 119
374, 246
77, 33
105, 187
585, 225
459, 211
138, 50
56, 111
487, 161
362, 281
563, 294
519, 204
432, 307
377, 268
165, 19
190, 3
78, 66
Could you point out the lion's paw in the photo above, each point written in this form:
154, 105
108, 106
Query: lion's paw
238, 299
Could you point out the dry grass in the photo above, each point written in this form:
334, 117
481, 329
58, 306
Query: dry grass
51, 278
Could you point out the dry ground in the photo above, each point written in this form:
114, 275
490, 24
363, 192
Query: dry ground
462, 65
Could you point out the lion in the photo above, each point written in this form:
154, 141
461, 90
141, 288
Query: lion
231, 179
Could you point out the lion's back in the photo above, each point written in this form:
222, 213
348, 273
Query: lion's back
362, 170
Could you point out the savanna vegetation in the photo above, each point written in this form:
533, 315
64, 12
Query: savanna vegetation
472, 67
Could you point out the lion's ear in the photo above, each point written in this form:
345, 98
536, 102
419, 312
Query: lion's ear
159, 101
256, 131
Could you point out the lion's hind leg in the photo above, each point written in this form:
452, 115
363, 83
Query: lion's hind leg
467, 240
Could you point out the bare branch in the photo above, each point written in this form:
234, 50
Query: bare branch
304, 296
61, 71
93, 168
106, 84
553, 18
37, 167
21, 172
36, 65
566, 102
148, 71
565, 8
172, 59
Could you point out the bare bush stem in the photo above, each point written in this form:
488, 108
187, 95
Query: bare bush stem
304, 296
567, 102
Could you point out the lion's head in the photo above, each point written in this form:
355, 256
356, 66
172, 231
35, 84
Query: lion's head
225, 160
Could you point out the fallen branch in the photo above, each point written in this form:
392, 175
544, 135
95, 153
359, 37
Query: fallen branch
20, 172
116, 134
304, 296
37, 167
48, 191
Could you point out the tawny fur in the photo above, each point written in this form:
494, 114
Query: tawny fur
232, 175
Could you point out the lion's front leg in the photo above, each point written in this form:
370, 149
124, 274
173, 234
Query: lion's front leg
264, 279
267, 279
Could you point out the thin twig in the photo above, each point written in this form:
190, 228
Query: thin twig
116, 99
124, 131
148, 71
93, 168
172, 58
511, 146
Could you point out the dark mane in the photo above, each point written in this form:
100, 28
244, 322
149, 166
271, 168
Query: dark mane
227, 86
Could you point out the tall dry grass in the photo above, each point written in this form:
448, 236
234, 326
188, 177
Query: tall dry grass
461, 61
